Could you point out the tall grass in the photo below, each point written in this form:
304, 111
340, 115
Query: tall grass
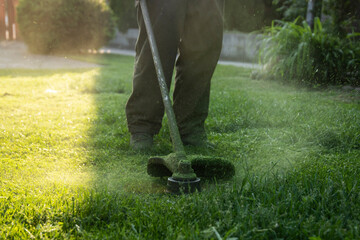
293, 52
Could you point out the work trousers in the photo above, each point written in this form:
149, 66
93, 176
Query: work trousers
189, 37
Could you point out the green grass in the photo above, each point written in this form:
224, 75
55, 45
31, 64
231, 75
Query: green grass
66, 170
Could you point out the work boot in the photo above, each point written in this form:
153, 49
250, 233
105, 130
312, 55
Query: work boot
196, 140
141, 141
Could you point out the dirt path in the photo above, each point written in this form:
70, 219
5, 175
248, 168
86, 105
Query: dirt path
13, 54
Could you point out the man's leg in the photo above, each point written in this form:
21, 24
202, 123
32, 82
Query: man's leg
200, 48
144, 109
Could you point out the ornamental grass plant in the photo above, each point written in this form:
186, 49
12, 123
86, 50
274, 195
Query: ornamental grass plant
295, 53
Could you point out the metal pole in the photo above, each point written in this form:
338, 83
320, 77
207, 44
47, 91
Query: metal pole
174, 131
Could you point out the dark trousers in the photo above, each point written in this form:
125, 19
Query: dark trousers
193, 31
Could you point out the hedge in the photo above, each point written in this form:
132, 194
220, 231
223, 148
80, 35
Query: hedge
53, 26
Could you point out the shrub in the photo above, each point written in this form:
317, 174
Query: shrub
248, 16
125, 14
345, 15
315, 58
52, 26
342, 15
292, 9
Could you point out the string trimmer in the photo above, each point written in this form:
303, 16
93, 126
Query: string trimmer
184, 171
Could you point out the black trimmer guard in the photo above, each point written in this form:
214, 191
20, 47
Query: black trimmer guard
204, 167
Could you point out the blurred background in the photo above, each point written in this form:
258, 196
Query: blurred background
329, 34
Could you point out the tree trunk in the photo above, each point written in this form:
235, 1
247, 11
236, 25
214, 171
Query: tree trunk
11, 19
310, 13
2, 20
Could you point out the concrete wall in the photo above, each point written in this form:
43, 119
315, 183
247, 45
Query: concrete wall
243, 47
124, 40
237, 46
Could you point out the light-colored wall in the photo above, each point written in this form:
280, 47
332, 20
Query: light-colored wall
237, 46
242, 47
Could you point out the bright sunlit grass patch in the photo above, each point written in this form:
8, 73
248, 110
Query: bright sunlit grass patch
42, 154
45, 128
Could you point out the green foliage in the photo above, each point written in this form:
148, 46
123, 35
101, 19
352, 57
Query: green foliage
293, 9
248, 16
125, 13
52, 26
345, 16
296, 53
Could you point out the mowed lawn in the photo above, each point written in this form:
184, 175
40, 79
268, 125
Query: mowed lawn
67, 172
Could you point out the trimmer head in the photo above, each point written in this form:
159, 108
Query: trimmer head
183, 186
212, 168
204, 167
